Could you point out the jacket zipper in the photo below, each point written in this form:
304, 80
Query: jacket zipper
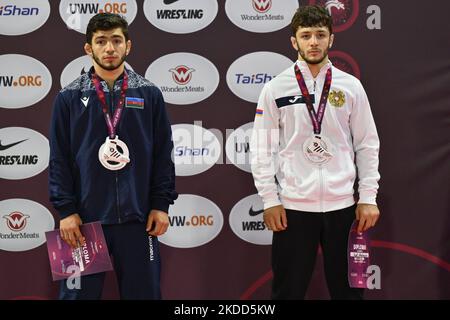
320, 167
111, 103
321, 189
117, 198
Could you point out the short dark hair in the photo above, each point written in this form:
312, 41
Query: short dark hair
311, 16
106, 21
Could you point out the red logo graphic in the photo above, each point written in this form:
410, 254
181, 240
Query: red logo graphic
262, 6
343, 12
182, 74
16, 221
344, 62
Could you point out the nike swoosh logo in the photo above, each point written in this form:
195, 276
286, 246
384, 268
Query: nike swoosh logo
253, 213
169, 1
5, 147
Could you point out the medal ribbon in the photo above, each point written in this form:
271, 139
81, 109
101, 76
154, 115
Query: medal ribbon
112, 124
315, 118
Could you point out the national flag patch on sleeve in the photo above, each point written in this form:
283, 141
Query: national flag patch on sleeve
259, 112
136, 103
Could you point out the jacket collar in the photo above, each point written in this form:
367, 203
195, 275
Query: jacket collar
303, 66
92, 71
117, 83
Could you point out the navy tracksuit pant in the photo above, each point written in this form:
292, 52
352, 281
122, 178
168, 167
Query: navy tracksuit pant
136, 262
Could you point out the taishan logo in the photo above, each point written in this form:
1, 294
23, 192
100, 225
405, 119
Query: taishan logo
19, 17
16, 221
13, 10
196, 149
182, 74
256, 78
247, 75
262, 6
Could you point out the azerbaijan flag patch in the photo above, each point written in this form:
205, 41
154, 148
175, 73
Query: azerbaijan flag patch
137, 103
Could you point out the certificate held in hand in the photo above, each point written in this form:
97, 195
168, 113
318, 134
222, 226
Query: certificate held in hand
92, 257
358, 255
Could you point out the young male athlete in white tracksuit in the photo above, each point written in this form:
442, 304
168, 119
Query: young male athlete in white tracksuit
313, 134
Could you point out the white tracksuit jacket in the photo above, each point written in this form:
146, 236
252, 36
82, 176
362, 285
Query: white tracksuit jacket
281, 127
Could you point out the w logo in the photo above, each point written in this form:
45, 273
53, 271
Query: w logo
182, 74
16, 221
262, 6
343, 12
334, 4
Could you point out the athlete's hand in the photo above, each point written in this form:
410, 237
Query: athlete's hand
69, 229
367, 215
275, 218
157, 223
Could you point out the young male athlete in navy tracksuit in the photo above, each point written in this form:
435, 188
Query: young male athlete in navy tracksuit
110, 161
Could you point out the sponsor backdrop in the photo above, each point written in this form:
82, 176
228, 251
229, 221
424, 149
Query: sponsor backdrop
210, 58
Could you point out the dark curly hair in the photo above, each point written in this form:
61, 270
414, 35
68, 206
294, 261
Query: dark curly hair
311, 16
106, 21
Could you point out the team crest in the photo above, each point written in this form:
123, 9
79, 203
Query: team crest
336, 98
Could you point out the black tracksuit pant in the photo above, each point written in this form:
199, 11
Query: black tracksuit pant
294, 253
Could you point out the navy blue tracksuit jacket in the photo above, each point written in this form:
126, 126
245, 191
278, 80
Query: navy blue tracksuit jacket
78, 182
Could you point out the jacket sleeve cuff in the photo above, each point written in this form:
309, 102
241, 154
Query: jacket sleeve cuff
160, 204
367, 197
271, 202
66, 210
